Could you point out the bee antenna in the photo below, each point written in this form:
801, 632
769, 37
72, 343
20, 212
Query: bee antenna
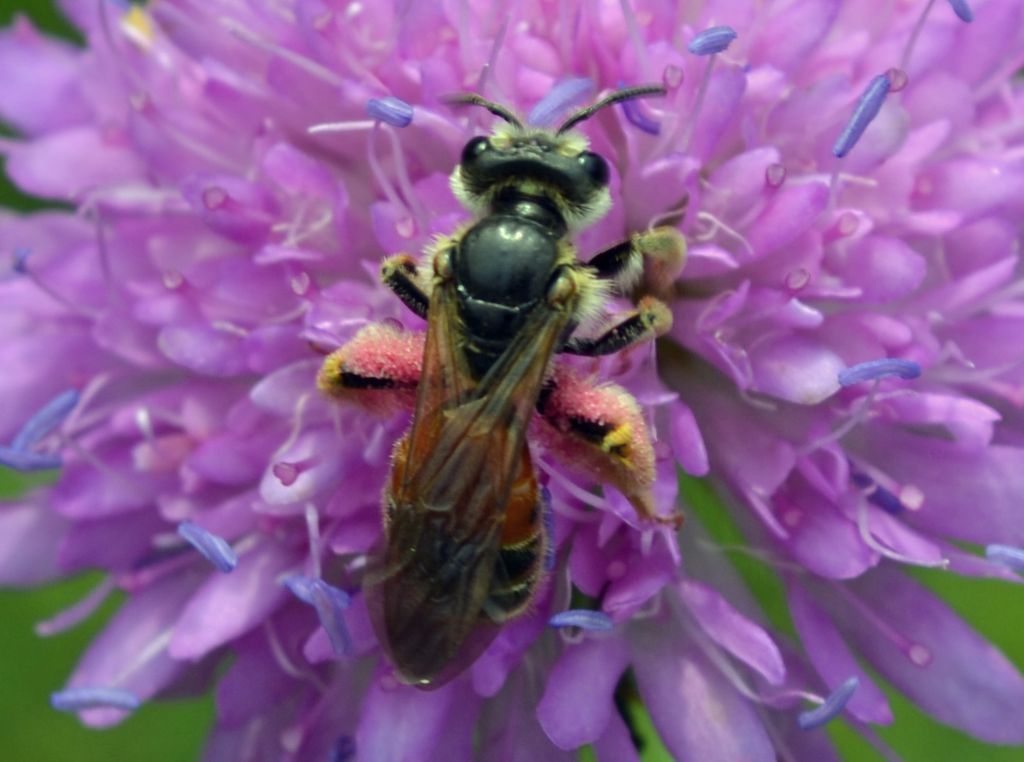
626, 94
473, 99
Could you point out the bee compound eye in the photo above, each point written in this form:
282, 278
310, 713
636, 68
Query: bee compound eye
474, 149
595, 167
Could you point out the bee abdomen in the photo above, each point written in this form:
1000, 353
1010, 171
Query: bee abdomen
516, 574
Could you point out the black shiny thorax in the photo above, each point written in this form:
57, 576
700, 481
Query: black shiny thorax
502, 267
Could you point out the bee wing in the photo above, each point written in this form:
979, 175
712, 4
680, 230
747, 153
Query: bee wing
450, 488
471, 444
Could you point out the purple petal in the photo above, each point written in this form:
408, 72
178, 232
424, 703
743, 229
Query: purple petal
616, 743
981, 509
214, 549
640, 583
697, 713
734, 632
228, 605
790, 34
31, 535
45, 96
46, 419
231, 206
594, 621
832, 658
688, 447
252, 686
391, 110
277, 392
77, 699
492, 669
884, 268
936, 659
789, 212
578, 698
400, 723
712, 40
970, 422
64, 163
567, 94
821, 537
131, 652
833, 706
203, 349
796, 368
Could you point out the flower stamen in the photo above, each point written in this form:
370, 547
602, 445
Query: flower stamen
708, 43
313, 535
962, 10
77, 699
582, 619
874, 370
308, 65
77, 612
637, 117
867, 108
1008, 555
390, 110
46, 419
329, 602
213, 548
19, 264
284, 661
404, 226
639, 49
830, 708
492, 58
25, 460
917, 653
567, 94
864, 529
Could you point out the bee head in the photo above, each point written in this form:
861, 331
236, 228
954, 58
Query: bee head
554, 165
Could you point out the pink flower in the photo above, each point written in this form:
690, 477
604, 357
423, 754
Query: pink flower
845, 360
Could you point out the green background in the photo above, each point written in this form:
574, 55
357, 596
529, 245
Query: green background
31, 667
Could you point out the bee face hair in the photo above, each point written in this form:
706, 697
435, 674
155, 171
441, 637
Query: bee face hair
536, 163
553, 165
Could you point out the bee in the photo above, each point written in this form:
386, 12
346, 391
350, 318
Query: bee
464, 539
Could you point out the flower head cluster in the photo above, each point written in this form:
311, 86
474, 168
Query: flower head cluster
845, 360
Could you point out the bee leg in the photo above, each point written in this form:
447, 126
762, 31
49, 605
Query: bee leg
648, 321
598, 430
400, 273
662, 249
377, 369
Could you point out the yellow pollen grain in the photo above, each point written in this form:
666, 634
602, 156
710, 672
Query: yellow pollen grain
618, 439
138, 25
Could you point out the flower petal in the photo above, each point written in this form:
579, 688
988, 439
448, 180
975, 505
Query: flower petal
832, 658
228, 605
956, 675
578, 697
698, 714
734, 632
